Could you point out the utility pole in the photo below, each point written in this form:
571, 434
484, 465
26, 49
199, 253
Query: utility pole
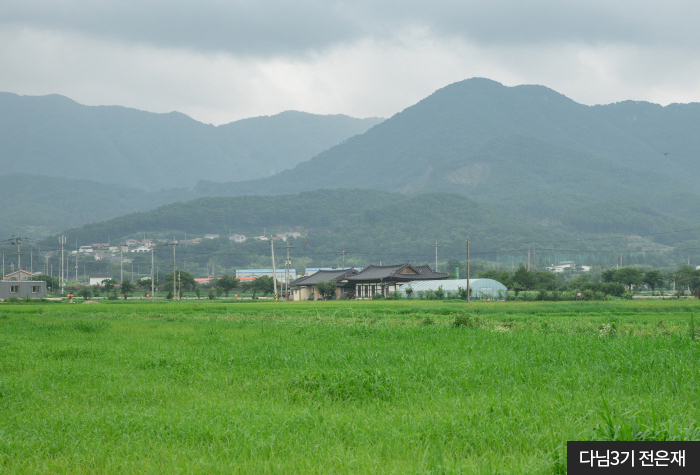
343, 254
274, 270
534, 258
152, 283
436, 248
174, 288
121, 264
19, 257
62, 240
77, 252
468, 269
287, 263
528, 258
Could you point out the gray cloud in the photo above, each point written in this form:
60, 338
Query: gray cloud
282, 27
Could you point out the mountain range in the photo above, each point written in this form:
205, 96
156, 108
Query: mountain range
55, 136
525, 151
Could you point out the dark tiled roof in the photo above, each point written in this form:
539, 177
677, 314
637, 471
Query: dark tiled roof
394, 272
323, 276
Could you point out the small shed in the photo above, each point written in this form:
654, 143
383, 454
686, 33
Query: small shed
481, 289
34, 289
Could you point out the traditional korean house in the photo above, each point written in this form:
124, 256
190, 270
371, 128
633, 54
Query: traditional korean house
305, 288
384, 280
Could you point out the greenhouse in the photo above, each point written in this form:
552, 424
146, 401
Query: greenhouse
481, 289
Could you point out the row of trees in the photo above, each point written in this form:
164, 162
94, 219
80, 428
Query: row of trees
614, 282
185, 282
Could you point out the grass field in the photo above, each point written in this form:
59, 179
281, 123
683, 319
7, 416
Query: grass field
402, 387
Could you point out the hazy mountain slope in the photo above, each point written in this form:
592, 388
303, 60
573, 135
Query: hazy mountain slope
468, 124
39, 205
55, 136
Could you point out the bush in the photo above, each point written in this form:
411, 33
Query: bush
396, 295
377, 296
440, 293
467, 320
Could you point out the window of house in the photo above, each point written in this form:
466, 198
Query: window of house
14, 289
36, 289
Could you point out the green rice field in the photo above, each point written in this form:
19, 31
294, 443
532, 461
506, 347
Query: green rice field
339, 387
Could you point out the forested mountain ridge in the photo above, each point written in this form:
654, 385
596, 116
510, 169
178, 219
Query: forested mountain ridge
374, 226
371, 224
55, 136
466, 137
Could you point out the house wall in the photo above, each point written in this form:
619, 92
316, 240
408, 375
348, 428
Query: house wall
367, 290
301, 293
27, 288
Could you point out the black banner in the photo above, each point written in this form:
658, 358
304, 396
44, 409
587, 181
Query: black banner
632, 457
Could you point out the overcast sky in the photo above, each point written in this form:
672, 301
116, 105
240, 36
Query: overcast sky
224, 60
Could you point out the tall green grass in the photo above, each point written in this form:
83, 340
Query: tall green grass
338, 387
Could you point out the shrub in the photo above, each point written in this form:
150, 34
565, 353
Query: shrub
462, 292
440, 293
468, 320
377, 296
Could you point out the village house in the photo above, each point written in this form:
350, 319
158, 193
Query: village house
96, 279
24, 275
383, 280
238, 238
307, 287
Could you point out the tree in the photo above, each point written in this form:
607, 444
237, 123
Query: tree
126, 288
687, 277
144, 284
108, 285
96, 290
524, 279
186, 281
629, 276
51, 282
85, 293
326, 289
608, 275
226, 284
262, 284
502, 276
653, 278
